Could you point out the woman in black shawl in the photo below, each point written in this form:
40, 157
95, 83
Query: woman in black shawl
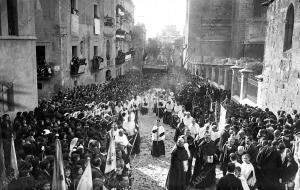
176, 179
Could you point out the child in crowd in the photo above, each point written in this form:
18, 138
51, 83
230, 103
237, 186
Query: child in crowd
247, 171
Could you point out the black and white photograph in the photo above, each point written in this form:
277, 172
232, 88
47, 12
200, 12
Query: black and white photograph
149, 94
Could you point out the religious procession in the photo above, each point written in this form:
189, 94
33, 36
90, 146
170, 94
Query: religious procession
88, 138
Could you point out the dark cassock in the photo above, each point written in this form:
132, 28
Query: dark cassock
179, 131
160, 108
204, 172
176, 179
168, 113
158, 137
145, 106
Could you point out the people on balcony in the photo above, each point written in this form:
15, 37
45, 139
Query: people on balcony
44, 70
75, 65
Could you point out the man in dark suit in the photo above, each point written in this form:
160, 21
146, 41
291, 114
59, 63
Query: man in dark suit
230, 182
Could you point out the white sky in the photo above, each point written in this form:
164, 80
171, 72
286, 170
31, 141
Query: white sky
155, 14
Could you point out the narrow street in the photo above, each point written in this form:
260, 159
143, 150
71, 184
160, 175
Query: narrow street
151, 173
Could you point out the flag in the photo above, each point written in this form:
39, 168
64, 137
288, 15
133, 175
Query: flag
13, 159
111, 161
58, 180
86, 182
2, 163
222, 120
72, 145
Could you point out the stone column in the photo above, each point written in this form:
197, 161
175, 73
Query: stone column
259, 79
234, 69
221, 75
227, 76
213, 73
244, 83
208, 74
203, 71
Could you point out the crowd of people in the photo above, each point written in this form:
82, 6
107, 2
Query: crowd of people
85, 119
255, 146
100, 123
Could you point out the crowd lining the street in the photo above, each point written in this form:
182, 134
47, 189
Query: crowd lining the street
255, 145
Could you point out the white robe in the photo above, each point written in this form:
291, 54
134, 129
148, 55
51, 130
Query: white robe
245, 172
156, 135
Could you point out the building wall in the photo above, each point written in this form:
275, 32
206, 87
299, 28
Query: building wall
139, 41
85, 42
209, 32
224, 28
48, 35
127, 26
55, 31
18, 63
281, 75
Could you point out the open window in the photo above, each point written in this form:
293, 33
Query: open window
12, 17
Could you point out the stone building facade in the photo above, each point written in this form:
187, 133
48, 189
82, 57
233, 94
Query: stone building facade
223, 29
281, 74
124, 43
18, 80
70, 42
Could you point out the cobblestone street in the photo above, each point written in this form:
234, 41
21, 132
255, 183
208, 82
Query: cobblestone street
151, 173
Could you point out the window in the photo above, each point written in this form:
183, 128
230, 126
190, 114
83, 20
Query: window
74, 51
12, 17
108, 50
40, 54
96, 15
95, 50
74, 7
289, 27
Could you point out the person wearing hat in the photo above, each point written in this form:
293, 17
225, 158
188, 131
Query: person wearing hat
158, 137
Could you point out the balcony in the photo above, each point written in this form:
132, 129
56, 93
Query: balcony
44, 71
120, 35
128, 37
77, 66
120, 59
120, 10
239, 76
108, 21
98, 63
